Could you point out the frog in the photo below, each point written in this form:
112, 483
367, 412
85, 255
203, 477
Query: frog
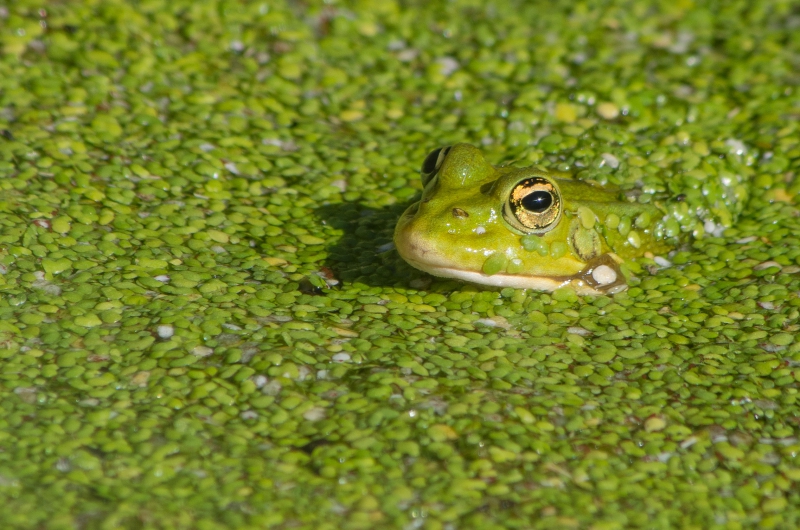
525, 227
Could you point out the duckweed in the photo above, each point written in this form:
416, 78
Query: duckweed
203, 324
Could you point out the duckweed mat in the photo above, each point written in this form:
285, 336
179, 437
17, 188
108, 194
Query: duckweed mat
204, 324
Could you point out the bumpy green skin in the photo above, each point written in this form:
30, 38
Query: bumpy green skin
697, 197
457, 229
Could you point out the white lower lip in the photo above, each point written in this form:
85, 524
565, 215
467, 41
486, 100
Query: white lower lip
540, 283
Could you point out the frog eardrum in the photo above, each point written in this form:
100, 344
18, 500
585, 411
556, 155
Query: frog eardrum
534, 206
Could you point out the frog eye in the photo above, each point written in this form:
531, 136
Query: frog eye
534, 206
432, 164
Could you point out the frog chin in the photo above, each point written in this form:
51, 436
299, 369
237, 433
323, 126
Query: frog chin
540, 283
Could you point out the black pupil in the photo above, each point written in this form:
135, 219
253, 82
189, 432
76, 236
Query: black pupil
429, 165
538, 201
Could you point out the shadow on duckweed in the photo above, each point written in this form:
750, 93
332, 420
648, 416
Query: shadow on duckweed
365, 252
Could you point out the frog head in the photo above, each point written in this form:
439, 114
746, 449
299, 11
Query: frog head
521, 227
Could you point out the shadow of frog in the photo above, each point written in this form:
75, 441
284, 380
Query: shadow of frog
365, 251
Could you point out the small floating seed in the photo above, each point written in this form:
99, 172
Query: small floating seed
624, 226
494, 264
587, 217
654, 424
767, 265
672, 228
643, 220
514, 266
611, 160
662, 262
604, 275
558, 249
608, 110
535, 243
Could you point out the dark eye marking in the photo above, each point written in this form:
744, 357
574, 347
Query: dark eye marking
538, 201
533, 206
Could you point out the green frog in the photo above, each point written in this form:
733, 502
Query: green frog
526, 227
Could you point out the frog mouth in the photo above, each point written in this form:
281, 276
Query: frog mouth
540, 283
595, 279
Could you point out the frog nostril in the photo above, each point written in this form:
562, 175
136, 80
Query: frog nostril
459, 213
